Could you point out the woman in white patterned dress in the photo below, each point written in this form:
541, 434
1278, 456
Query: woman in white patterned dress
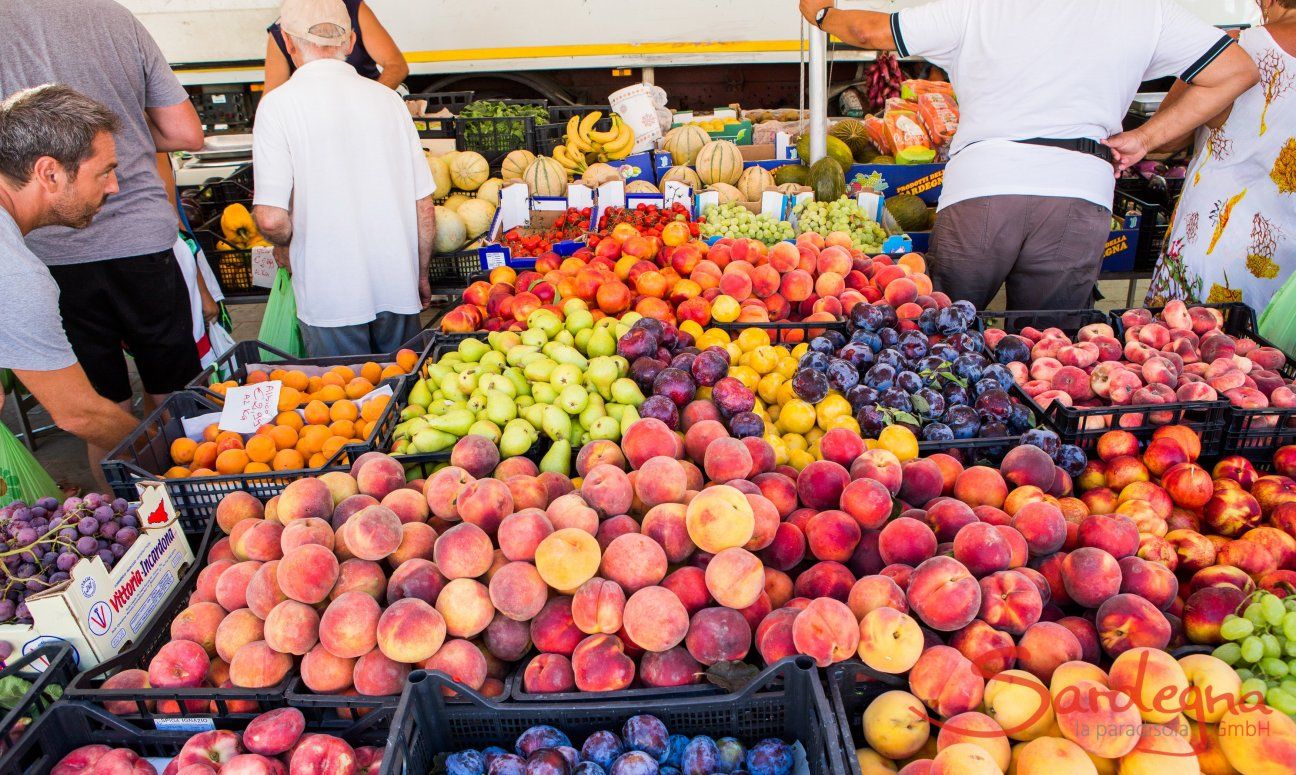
1233, 235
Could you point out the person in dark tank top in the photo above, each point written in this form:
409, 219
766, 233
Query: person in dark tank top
375, 56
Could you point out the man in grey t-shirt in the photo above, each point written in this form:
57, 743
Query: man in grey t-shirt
119, 278
57, 167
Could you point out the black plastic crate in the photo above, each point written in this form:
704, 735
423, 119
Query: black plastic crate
144, 706
1014, 321
852, 686
70, 725
234, 364
49, 668
451, 271
146, 455
1084, 426
232, 265
494, 137
437, 100
1153, 221
299, 695
785, 701
212, 198
561, 114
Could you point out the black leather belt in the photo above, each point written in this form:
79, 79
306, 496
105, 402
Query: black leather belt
1080, 145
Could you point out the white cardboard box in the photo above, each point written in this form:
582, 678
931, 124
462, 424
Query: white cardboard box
101, 612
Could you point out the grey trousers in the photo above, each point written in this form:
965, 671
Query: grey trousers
1048, 249
385, 334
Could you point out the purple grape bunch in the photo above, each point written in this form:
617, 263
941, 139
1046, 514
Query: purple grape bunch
40, 543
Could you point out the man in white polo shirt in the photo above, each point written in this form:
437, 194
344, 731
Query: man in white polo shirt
343, 191
1043, 86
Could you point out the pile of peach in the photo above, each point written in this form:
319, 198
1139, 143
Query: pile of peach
1147, 714
1180, 355
1223, 531
817, 278
277, 741
335, 578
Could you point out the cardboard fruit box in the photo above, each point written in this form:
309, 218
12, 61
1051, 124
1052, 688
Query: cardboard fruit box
99, 612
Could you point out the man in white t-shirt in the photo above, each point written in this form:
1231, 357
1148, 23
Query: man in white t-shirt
343, 191
1042, 87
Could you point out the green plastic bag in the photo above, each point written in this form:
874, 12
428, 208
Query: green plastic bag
1278, 320
279, 325
21, 477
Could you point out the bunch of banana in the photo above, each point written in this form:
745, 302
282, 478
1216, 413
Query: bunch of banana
584, 146
240, 230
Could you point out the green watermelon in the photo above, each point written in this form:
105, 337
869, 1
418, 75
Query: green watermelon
792, 173
827, 179
910, 211
836, 150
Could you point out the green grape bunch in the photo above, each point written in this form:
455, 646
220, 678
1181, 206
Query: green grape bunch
844, 215
737, 222
1261, 648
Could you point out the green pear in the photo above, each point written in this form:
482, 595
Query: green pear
630, 318
517, 354
566, 354
544, 393
467, 381
450, 388
545, 320
452, 358
436, 372
578, 320
472, 350
602, 372
625, 391
623, 365
534, 414
605, 428
476, 402
486, 428
582, 339
564, 375
517, 438
573, 399
522, 401
593, 411
601, 343
615, 411
432, 440
420, 394
493, 360
521, 387
534, 337
565, 337
558, 459
500, 407
605, 322
539, 370
572, 305
556, 423
503, 341
414, 410
416, 426
401, 447
628, 417
455, 421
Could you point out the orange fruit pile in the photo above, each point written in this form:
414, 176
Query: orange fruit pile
337, 384
290, 443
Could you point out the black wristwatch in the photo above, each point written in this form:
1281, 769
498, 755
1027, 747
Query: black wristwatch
819, 17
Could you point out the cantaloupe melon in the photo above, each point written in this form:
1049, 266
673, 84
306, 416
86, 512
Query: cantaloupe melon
599, 173
641, 187
546, 177
516, 163
688, 143
489, 191
719, 161
469, 170
455, 201
451, 232
440, 176
727, 192
476, 215
753, 182
681, 174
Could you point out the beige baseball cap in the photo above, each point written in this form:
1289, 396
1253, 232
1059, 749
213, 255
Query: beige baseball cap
297, 17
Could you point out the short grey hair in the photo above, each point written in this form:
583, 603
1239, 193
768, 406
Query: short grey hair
51, 120
312, 51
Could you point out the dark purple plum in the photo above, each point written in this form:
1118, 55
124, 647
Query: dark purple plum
985, 385
944, 351
892, 358
637, 343
770, 757
732, 397
927, 321
963, 421
889, 337
644, 370
871, 421
542, 736
733, 754
1000, 373
675, 746
937, 431
814, 360
913, 345
634, 763
1045, 439
928, 403
701, 757
869, 317
1012, 348
842, 375
645, 733
709, 367
602, 748
661, 408
995, 404
547, 761
968, 367
956, 394
822, 344
1072, 459
589, 768
909, 381
1021, 419
896, 399
869, 339
746, 424
493, 752
675, 384
683, 361
810, 385
880, 377
861, 396
469, 762
508, 764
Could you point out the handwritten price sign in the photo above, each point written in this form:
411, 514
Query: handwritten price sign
248, 408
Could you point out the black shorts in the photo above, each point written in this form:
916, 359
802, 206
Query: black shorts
140, 303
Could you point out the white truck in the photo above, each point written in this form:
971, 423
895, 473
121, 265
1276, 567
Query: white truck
223, 41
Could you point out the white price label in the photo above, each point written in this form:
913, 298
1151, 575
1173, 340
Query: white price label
264, 267
250, 406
